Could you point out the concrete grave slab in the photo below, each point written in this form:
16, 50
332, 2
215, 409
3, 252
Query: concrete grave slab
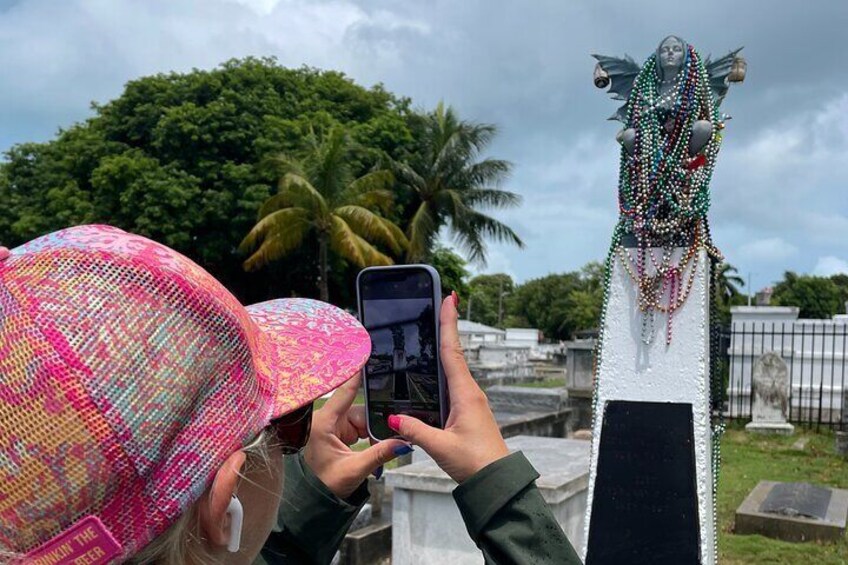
825, 518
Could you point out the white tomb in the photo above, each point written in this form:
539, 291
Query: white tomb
426, 524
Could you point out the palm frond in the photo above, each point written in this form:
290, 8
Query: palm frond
382, 200
332, 170
281, 164
495, 229
728, 284
304, 193
472, 244
450, 157
421, 232
480, 135
375, 180
345, 242
476, 136
453, 201
373, 227
371, 190
276, 235
275, 202
474, 226
407, 175
488, 172
491, 197
373, 257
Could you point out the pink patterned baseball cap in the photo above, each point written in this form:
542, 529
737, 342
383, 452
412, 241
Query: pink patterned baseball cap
128, 374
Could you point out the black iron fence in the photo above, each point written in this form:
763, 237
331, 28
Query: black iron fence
814, 353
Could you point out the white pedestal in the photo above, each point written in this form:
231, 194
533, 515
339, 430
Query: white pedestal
630, 370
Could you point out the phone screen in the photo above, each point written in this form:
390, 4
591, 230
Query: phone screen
402, 374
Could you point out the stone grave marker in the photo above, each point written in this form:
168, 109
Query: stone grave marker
793, 512
578, 361
797, 499
770, 382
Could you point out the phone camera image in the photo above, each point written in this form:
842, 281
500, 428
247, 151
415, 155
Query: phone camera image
402, 372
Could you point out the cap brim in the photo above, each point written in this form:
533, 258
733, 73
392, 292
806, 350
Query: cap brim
306, 348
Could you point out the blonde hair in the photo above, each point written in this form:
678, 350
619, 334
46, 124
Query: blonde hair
183, 543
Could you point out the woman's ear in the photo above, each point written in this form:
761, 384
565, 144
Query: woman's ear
214, 520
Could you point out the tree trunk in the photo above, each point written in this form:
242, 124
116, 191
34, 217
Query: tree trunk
323, 269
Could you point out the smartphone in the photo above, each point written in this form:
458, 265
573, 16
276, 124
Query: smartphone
399, 306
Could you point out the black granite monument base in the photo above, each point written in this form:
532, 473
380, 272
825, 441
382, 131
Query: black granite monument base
645, 504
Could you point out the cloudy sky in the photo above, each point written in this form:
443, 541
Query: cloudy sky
779, 192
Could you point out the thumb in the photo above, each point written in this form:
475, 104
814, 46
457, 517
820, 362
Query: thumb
416, 431
379, 454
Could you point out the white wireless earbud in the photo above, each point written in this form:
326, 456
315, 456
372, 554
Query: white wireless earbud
236, 512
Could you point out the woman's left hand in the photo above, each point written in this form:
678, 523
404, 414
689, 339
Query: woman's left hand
337, 426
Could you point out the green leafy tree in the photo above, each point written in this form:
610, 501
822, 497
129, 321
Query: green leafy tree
450, 185
319, 195
841, 281
543, 303
488, 295
179, 157
136, 190
817, 297
452, 270
560, 304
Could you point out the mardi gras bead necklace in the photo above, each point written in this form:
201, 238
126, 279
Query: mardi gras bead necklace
663, 192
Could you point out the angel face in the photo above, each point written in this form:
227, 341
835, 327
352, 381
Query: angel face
671, 53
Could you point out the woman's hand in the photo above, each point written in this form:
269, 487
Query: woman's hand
337, 426
471, 439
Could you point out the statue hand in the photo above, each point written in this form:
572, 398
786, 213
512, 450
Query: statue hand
702, 131
627, 137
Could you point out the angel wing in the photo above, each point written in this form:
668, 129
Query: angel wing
717, 71
622, 74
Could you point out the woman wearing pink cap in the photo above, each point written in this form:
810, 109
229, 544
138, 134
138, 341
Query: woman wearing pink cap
144, 412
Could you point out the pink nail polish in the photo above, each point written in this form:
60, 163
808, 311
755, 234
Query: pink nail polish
394, 422
455, 299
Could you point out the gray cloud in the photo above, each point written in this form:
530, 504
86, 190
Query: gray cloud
778, 200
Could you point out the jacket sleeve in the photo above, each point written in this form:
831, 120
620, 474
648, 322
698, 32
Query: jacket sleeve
311, 520
507, 518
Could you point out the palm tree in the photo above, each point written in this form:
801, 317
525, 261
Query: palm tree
319, 196
728, 283
450, 185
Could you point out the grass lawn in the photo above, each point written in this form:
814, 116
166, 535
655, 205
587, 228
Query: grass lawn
748, 459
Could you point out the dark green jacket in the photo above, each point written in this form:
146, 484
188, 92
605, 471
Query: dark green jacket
501, 506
